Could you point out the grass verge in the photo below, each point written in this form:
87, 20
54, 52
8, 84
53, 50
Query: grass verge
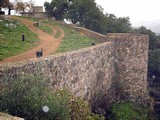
58, 33
11, 38
72, 40
45, 28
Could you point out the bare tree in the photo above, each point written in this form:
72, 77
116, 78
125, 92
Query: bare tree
23, 6
30, 5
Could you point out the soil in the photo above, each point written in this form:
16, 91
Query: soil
47, 42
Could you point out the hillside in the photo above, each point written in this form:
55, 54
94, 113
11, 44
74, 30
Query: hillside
49, 34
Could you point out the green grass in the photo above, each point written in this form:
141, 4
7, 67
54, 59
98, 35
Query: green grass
129, 111
11, 39
72, 40
45, 28
57, 34
30, 18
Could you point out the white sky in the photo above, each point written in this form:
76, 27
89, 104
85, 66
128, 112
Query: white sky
136, 10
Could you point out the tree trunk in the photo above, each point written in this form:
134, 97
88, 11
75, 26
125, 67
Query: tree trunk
9, 11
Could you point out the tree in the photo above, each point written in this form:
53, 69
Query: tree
88, 14
3, 3
6, 4
20, 6
10, 7
154, 64
29, 5
57, 8
123, 25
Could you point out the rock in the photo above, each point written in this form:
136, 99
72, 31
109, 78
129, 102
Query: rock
12, 25
4, 116
53, 18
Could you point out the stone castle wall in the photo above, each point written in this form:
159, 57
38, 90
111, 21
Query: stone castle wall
90, 33
116, 69
86, 73
37, 8
36, 14
131, 55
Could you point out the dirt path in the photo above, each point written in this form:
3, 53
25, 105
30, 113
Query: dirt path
46, 41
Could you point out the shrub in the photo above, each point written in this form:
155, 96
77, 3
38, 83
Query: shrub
25, 98
128, 111
80, 110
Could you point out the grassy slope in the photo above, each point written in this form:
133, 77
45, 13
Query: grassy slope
72, 40
45, 29
11, 41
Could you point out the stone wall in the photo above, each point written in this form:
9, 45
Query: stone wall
36, 14
131, 66
88, 73
90, 33
37, 8
116, 69
131, 57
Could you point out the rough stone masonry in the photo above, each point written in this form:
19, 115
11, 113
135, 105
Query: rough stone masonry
111, 70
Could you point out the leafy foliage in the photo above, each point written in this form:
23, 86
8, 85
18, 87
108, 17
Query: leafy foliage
154, 63
57, 8
4, 3
128, 111
87, 14
26, 97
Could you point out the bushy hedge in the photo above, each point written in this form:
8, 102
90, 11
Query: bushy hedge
26, 97
129, 111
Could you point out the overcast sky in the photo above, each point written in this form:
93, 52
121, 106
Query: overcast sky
136, 10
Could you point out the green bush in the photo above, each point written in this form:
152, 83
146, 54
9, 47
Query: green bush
129, 111
26, 97
80, 110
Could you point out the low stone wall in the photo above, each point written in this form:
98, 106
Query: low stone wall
90, 33
36, 14
88, 73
